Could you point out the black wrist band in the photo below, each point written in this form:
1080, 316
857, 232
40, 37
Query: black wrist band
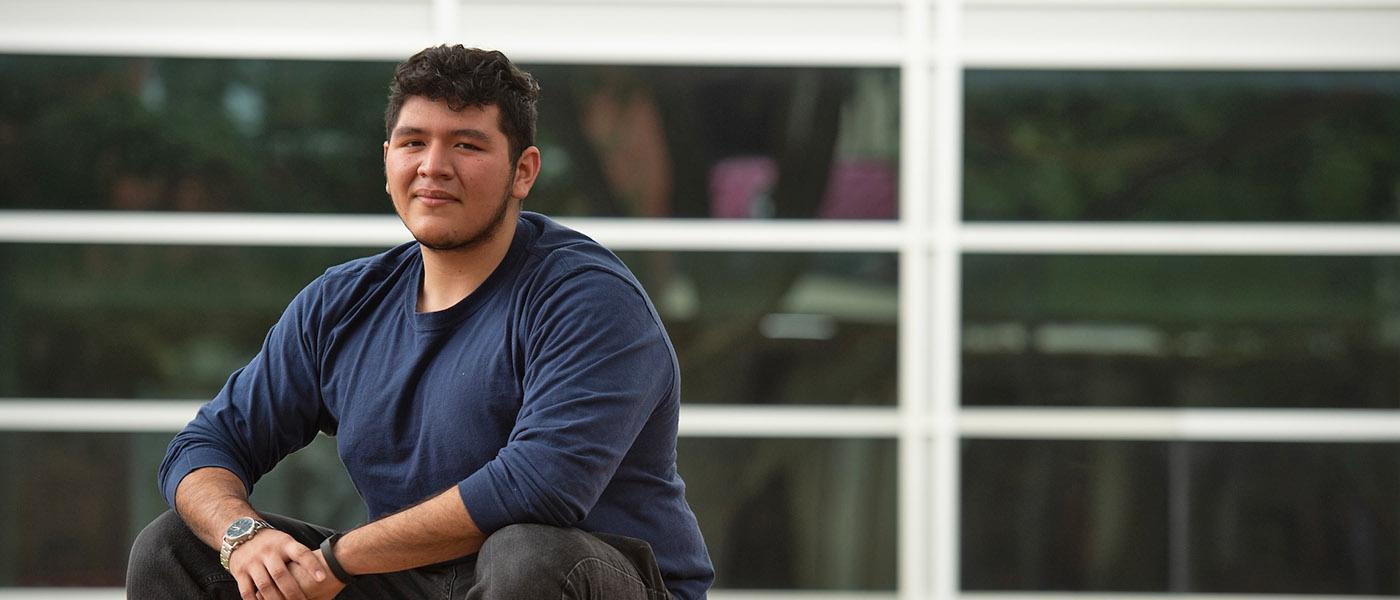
328, 553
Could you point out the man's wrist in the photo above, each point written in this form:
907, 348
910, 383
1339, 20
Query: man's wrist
236, 534
328, 554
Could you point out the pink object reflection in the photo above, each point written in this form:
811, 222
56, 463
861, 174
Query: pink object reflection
741, 187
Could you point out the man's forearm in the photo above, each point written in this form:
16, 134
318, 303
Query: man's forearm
208, 500
434, 531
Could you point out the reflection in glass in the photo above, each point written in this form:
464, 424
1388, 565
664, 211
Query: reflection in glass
1185, 517
795, 513
175, 321
142, 321
72, 503
305, 136
778, 328
1246, 331
1182, 146
814, 514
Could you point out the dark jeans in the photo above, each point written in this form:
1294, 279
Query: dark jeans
518, 562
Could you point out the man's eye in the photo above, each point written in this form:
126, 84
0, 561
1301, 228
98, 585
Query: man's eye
468, 146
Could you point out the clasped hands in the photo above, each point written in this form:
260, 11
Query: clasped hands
274, 566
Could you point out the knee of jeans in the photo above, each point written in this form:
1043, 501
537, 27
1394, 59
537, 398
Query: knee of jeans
158, 537
532, 551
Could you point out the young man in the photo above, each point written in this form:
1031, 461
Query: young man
502, 392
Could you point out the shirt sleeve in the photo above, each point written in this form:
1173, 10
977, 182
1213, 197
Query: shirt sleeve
597, 365
265, 411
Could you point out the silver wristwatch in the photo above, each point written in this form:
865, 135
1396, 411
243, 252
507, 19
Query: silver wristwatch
238, 532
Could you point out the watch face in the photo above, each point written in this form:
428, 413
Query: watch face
239, 528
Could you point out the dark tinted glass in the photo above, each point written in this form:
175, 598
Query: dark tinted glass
775, 513
1180, 517
72, 503
1181, 331
778, 328
795, 513
141, 321
1182, 146
175, 321
305, 136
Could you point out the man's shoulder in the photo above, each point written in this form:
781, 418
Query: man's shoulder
344, 283
375, 265
559, 251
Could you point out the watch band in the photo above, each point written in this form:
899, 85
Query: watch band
227, 546
328, 553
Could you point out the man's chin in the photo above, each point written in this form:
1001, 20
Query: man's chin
451, 243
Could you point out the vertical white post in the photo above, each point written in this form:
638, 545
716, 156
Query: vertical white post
947, 289
916, 165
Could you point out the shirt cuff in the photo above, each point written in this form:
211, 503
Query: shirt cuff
486, 508
198, 458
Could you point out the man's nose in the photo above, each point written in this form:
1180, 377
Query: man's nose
435, 163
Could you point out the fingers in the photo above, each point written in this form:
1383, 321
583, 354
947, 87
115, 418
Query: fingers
282, 585
308, 560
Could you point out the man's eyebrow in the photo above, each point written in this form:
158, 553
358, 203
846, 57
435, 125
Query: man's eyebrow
475, 134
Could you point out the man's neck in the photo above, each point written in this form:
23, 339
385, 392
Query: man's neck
451, 275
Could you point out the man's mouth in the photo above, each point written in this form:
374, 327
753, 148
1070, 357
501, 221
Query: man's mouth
434, 197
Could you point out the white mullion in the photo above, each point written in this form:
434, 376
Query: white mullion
947, 284
914, 304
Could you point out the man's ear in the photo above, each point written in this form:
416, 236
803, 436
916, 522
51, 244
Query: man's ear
386, 168
527, 168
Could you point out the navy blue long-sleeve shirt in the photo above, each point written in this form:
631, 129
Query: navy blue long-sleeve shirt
548, 395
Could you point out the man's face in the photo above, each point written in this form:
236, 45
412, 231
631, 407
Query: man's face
450, 174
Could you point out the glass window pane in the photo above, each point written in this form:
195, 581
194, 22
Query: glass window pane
72, 503
1182, 146
778, 328
1225, 331
776, 513
175, 321
305, 136
795, 513
1189, 517
142, 321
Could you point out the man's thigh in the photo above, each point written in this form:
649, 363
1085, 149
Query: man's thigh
530, 562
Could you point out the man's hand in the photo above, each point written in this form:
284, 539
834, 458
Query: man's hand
324, 588
263, 567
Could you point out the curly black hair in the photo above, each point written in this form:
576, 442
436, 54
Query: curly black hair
465, 77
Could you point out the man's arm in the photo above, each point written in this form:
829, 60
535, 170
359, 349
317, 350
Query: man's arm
211, 498
436, 530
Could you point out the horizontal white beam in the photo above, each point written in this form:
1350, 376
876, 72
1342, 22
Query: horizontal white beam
1180, 238
1159, 596
1130, 5
292, 229
69, 414
1173, 424
271, 229
721, 594
119, 594
1190, 34
217, 229
746, 421
1165, 424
